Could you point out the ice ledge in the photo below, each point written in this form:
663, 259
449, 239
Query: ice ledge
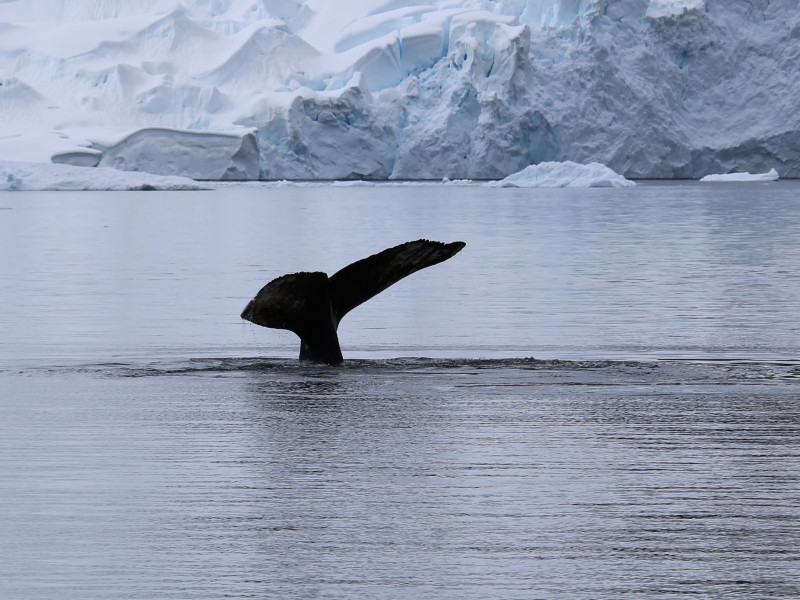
24, 176
164, 151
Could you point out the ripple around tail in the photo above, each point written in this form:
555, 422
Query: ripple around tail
532, 370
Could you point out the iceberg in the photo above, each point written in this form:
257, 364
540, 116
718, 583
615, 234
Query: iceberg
21, 176
771, 175
565, 174
395, 89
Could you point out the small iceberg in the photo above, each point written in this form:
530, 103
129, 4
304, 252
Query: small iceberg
771, 175
565, 174
25, 176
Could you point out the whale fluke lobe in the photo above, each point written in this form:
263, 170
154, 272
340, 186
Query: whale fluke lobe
299, 302
312, 304
360, 281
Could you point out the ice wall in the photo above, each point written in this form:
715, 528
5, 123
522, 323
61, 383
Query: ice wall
281, 89
676, 88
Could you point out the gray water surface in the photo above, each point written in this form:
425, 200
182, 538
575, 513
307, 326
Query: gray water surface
672, 270
154, 446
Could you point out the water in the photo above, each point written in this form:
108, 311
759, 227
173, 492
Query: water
153, 446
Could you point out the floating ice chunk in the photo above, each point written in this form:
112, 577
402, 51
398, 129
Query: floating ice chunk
21, 176
565, 174
352, 183
771, 175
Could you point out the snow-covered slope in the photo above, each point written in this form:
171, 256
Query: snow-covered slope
288, 89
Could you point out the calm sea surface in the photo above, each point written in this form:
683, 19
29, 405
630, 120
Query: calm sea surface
598, 398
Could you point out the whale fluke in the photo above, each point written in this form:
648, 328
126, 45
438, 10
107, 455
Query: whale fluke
312, 304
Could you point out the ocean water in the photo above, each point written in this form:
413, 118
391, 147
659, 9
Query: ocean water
597, 398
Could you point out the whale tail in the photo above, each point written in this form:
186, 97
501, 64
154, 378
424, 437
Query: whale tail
312, 304
301, 303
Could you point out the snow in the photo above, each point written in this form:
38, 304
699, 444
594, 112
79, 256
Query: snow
659, 9
22, 176
565, 174
401, 89
771, 175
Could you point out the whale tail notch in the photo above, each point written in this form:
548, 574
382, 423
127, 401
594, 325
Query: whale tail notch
312, 304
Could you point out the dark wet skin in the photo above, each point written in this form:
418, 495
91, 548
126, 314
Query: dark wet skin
312, 304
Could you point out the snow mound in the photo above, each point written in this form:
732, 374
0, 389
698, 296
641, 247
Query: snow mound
771, 175
565, 174
20, 176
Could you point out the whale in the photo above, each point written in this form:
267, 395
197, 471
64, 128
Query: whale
312, 304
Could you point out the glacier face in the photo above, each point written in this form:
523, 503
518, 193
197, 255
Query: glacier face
286, 89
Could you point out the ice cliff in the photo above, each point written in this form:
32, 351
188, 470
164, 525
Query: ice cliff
402, 89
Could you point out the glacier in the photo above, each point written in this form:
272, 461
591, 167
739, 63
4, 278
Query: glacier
401, 89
